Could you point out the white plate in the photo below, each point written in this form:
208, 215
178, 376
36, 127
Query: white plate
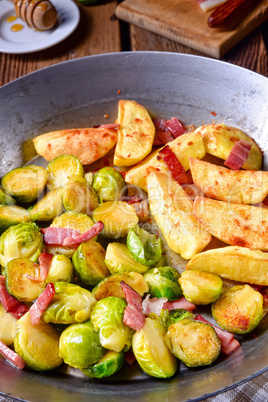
29, 40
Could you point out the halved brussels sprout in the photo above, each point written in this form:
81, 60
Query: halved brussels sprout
48, 207
108, 365
151, 351
61, 270
12, 215
239, 309
8, 326
17, 282
163, 282
119, 260
38, 344
69, 305
21, 241
63, 168
169, 317
200, 287
111, 286
88, 261
108, 183
193, 342
145, 247
80, 345
25, 183
5, 199
70, 220
107, 318
118, 218
78, 197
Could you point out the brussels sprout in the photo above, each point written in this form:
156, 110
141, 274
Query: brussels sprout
239, 309
48, 207
38, 344
200, 287
25, 183
63, 168
108, 365
108, 183
12, 215
78, 197
193, 342
111, 286
119, 260
118, 218
88, 261
8, 326
107, 317
70, 220
80, 345
5, 199
163, 282
145, 247
17, 282
61, 270
151, 351
70, 304
169, 317
21, 241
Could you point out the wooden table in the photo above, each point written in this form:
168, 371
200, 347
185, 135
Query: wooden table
100, 32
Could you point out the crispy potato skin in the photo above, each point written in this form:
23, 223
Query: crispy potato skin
237, 186
171, 208
87, 144
235, 263
219, 140
234, 224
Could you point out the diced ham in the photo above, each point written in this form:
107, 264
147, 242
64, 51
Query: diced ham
228, 341
153, 305
133, 314
11, 356
41, 303
44, 260
181, 303
54, 236
162, 138
167, 130
10, 303
238, 155
176, 127
89, 234
174, 165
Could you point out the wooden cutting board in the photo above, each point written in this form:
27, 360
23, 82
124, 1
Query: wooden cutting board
185, 22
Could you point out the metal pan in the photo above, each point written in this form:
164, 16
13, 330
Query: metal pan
79, 93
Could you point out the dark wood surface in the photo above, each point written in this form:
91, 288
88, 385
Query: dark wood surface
100, 32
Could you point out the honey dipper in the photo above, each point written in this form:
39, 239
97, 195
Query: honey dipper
38, 14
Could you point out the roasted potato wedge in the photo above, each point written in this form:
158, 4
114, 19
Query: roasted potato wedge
219, 140
135, 133
87, 144
235, 263
234, 224
171, 208
189, 144
238, 186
